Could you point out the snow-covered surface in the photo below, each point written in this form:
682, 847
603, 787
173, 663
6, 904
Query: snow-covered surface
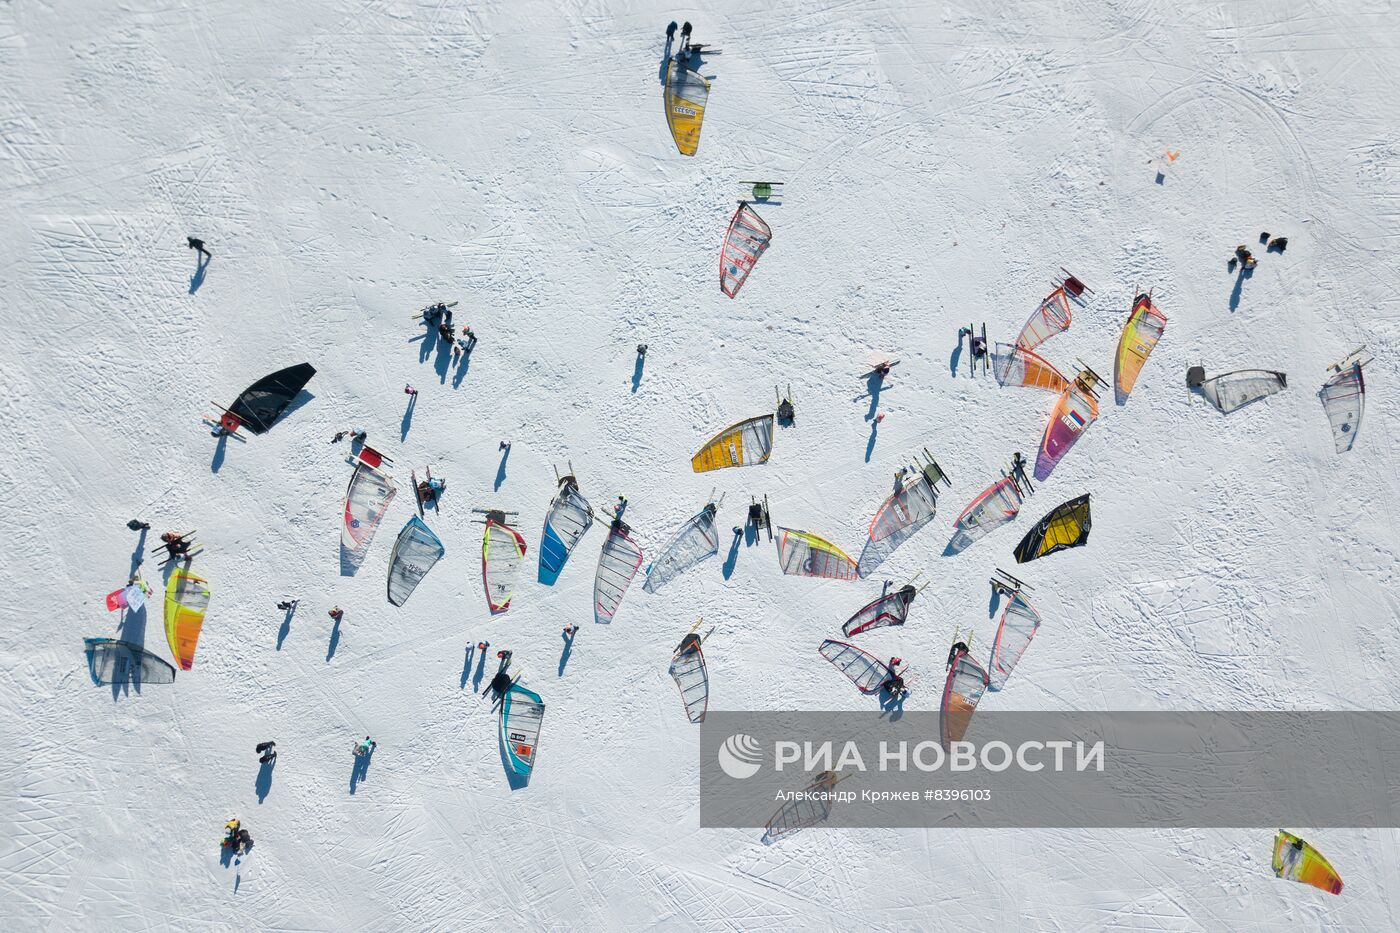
349, 162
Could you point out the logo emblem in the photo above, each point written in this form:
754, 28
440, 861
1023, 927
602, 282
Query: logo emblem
740, 756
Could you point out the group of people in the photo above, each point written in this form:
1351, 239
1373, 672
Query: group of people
1245, 259
442, 315
236, 837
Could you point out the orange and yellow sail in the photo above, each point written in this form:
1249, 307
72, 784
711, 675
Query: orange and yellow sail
186, 599
1296, 860
742, 444
1140, 335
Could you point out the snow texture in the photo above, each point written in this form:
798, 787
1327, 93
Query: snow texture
348, 163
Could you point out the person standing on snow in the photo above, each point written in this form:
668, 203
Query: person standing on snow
198, 244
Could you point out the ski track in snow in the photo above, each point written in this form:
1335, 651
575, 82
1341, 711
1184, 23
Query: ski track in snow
348, 163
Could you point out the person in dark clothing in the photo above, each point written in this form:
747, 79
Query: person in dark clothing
198, 244
175, 545
953, 652
287, 605
137, 525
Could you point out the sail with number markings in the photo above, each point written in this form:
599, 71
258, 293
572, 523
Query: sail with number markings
415, 552
693, 542
111, 661
367, 498
685, 96
617, 565
744, 444
522, 715
1076, 410
502, 553
744, 242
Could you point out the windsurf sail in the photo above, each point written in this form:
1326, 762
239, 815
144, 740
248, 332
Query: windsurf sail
262, 403
998, 504
805, 809
1015, 366
120, 662
502, 553
913, 504
522, 713
617, 565
890, 609
803, 554
1143, 329
744, 242
743, 444
569, 517
1344, 400
1075, 411
966, 683
696, 540
1066, 526
684, 97
1051, 318
1298, 861
186, 600
367, 498
1019, 623
693, 681
865, 670
1230, 391
415, 552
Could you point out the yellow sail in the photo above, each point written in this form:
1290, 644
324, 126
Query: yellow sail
742, 444
1140, 335
685, 97
1297, 860
186, 599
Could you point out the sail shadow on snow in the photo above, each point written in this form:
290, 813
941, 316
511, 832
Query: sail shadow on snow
876, 553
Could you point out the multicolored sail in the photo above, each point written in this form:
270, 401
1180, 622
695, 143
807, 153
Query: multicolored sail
1076, 410
1298, 861
1143, 329
863, 669
522, 714
966, 683
684, 97
502, 553
1016, 366
415, 552
744, 242
693, 542
890, 609
367, 498
186, 600
692, 679
1067, 525
803, 554
1019, 623
569, 517
617, 565
996, 505
743, 444
1344, 400
1050, 318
